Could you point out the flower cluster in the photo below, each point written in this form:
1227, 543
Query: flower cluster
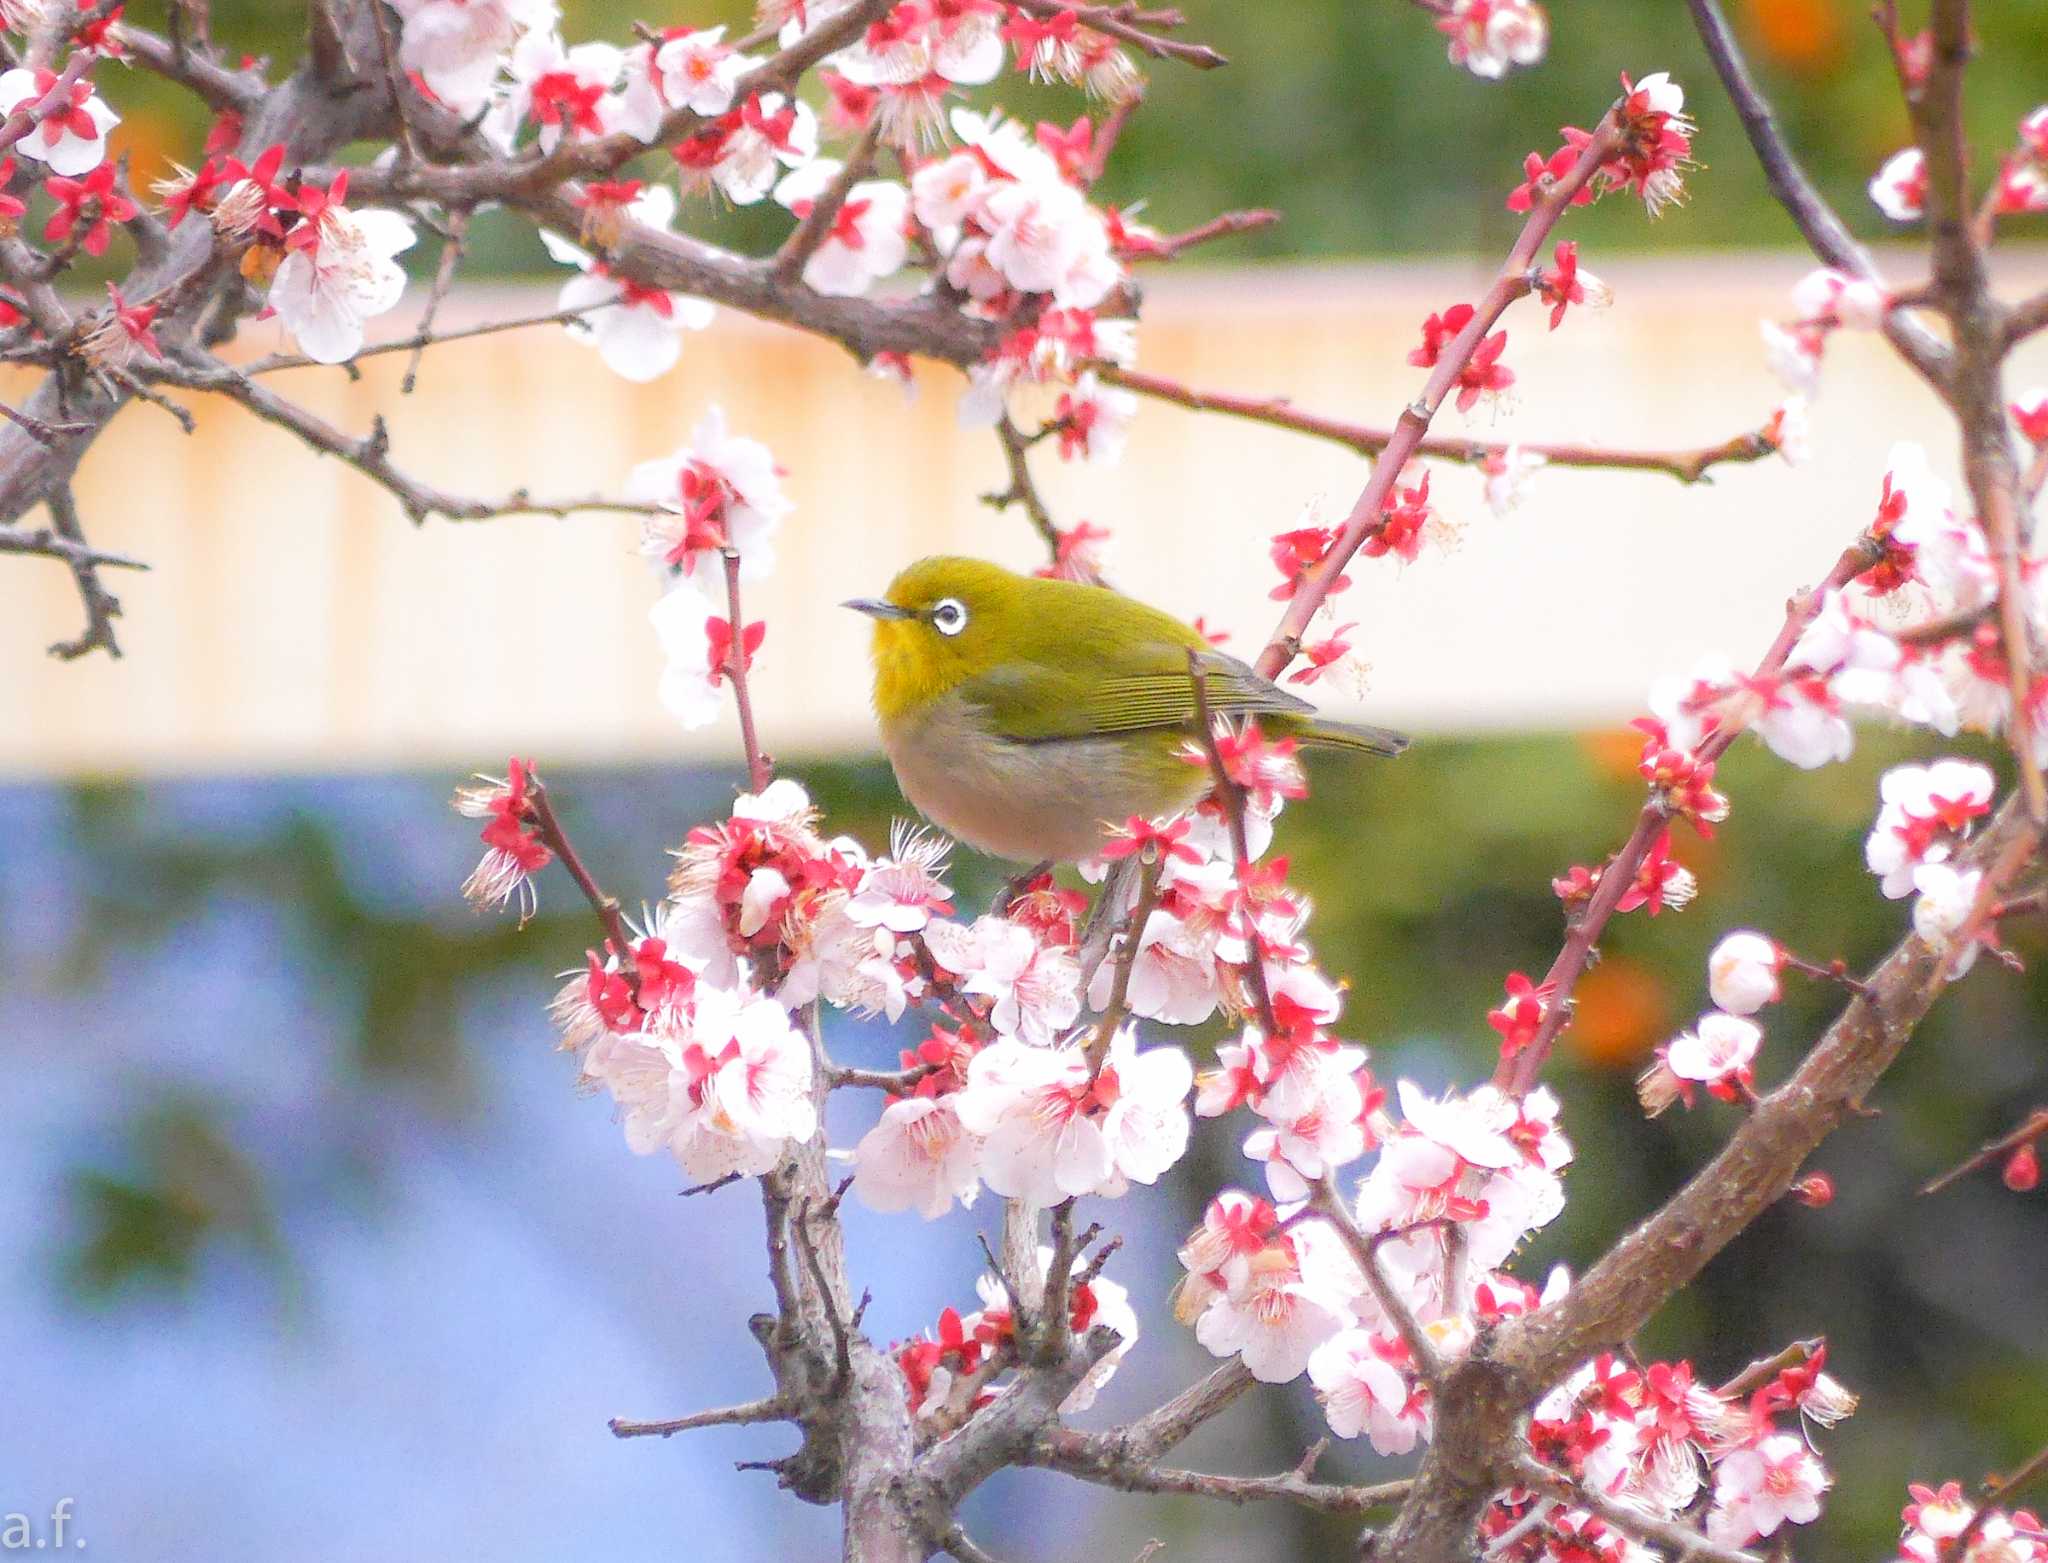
953, 1371
514, 851
1651, 1439
1284, 1291
1489, 36
1937, 1518
1653, 150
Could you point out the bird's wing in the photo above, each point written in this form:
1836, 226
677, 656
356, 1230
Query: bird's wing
1130, 688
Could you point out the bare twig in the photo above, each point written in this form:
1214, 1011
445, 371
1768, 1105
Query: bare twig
548, 825
1823, 231
760, 770
1098, 1457
1688, 466
444, 278
102, 607
772, 1409
1142, 29
2031, 1128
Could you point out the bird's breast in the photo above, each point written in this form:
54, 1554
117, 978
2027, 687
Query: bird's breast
1030, 801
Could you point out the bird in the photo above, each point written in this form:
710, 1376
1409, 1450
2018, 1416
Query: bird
1025, 716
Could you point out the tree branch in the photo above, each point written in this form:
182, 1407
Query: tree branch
772, 1409
1688, 466
1816, 221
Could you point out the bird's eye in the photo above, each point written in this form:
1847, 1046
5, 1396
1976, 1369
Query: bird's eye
949, 616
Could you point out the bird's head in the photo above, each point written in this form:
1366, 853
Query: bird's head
944, 621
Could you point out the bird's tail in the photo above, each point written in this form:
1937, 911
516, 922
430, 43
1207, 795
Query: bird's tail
1355, 737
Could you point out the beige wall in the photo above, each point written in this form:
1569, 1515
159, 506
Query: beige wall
294, 619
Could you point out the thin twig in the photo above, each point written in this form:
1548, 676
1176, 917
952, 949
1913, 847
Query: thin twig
1132, 24
760, 769
773, 1409
1688, 466
2030, 1129
548, 825
444, 278
1366, 1251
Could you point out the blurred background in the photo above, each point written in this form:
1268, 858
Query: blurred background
316, 1252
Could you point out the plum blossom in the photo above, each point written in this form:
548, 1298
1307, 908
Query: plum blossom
636, 329
721, 490
515, 852
457, 46
698, 70
1488, 36
1288, 1296
1717, 1054
866, 241
902, 891
1742, 972
1094, 419
1758, 1489
1035, 986
1924, 811
919, 1156
1053, 1129
1900, 187
773, 133
1947, 898
1359, 1379
73, 140
1827, 297
566, 92
691, 687
326, 289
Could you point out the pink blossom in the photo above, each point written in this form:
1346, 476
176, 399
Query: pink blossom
698, 70
1758, 1489
919, 1156
1488, 36
866, 241
324, 292
1359, 1378
73, 140
774, 133
1900, 187
1035, 987
902, 891
721, 490
1290, 1301
457, 46
1924, 811
567, 93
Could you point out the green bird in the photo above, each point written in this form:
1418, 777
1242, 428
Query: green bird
1023, 715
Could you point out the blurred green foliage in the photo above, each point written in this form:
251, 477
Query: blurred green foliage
1345, 115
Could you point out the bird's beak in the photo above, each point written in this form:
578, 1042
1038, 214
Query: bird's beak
876, 608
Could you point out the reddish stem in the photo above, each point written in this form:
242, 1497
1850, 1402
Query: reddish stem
1518, 1073
1688, 466
549, 827
1512, 283
760, 770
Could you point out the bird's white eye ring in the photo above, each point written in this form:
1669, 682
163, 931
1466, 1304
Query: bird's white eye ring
949, 616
